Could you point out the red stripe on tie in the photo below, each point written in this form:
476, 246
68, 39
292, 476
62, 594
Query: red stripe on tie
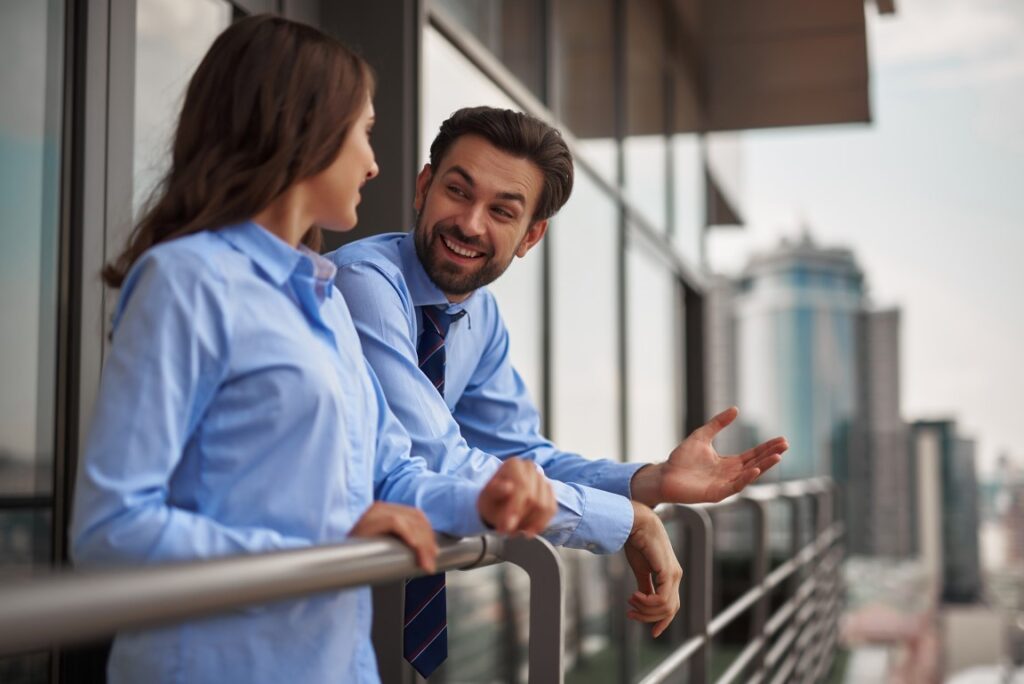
423, 607
437, 326
432, 639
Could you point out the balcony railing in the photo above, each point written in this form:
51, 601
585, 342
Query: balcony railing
795, 642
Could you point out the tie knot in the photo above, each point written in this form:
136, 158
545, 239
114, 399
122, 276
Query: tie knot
436, 319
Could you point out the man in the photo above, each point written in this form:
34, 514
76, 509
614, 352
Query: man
494, 179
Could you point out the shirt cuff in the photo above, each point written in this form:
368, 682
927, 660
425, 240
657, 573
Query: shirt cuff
461, 518
589, 519
618, 477
606, 523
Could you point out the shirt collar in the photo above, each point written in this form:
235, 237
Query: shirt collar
423, 290
277, 259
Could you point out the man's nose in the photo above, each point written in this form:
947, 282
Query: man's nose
473, 220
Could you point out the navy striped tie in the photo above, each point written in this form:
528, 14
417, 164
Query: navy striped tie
426, 623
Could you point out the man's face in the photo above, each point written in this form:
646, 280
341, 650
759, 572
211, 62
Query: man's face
475, 214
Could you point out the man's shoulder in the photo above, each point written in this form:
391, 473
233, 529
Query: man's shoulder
379, 250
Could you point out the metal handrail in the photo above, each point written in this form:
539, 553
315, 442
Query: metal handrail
810, 616
69, 607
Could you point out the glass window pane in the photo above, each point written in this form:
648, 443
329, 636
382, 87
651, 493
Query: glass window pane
584, 84
488, 603
644, 149
24, 541
31, 78
171, 38
511, 30
688, 195
584, 240
655, 380
518, 291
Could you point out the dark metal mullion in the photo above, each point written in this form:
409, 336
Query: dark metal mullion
547, 253
68, 272
668, 86
628, 661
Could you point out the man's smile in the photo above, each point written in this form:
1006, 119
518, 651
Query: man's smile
460, 250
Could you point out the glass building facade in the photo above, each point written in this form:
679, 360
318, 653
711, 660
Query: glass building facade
606, 316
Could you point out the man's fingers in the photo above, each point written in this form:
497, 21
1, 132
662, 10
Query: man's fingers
657, 630
418, 536
718, 423
776, 445
649, 600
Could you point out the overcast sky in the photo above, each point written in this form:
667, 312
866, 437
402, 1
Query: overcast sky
929, 197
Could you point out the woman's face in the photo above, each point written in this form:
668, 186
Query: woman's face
334, 192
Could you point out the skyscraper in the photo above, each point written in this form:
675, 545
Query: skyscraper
882, 449
946, 520
796, 350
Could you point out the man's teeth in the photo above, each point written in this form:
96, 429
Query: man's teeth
459, 250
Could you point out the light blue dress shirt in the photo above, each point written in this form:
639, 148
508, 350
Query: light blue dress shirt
486, 413
236, 414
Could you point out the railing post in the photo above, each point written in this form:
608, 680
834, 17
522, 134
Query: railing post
697, 587
388, 609
828, 584
758, 626
547, 605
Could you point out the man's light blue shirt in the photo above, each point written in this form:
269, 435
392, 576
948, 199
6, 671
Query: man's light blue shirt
236, 414
486, 413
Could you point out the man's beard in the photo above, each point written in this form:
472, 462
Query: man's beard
448, 277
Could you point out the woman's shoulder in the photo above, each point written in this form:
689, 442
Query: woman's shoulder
200, 256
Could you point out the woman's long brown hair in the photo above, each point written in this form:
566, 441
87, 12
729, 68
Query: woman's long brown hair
270, 105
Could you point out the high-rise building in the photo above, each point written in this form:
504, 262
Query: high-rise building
796, 340
793, 343
881, 446
946, 509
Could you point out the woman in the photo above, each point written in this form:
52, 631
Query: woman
235, 412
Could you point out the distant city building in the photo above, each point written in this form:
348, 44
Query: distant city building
946, 516
881, 448
793, 343
796, 348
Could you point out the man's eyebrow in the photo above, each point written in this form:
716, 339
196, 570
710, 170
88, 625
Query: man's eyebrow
510, 196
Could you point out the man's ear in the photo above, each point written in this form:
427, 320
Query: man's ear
422, 185
533, 235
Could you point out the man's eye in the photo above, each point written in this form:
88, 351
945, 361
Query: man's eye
456, 190
504, 213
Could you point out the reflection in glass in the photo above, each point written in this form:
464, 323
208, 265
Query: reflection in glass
509, 29
644, 149
24, 541
519, 290
655, 380
171, 38
584, 76
585, 389
688, 195
31, 80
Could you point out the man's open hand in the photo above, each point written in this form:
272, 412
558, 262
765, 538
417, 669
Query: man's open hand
517, 499
696, 473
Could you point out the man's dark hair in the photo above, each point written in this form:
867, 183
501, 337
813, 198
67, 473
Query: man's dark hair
520, 135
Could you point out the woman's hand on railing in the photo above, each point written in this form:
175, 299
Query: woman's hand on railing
695, 472
517, 499
408, 524
650, 555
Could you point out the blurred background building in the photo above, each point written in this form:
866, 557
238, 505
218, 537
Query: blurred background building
612, 316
